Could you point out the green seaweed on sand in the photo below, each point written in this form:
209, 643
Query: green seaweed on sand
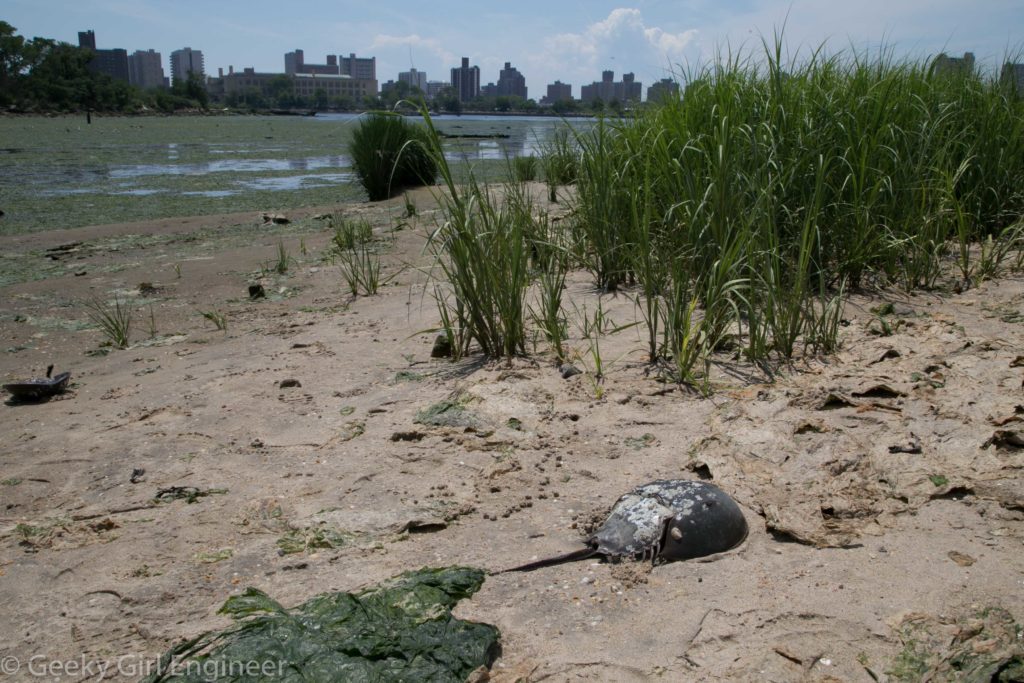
401, 630
451, 412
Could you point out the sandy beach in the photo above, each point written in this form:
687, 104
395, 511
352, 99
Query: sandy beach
882, 485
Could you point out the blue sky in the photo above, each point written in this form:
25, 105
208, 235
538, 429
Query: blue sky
569, 40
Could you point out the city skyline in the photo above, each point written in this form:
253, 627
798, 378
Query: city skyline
571, 42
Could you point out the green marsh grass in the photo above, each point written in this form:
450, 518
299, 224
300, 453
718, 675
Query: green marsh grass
114, 319
349, 233
559, 161
390, 154
747, 208
284, 259
524, 169
360, 267
481, 253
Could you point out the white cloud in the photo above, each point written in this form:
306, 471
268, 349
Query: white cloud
622, 42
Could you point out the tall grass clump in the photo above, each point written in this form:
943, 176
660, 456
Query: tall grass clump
349, 233
559, 161
114, 319
390, 154
482, 254
360, 267
524, 169
747, 208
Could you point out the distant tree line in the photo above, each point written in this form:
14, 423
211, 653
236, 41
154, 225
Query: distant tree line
42, 75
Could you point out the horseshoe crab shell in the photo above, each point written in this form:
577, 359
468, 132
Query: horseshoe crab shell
665, 520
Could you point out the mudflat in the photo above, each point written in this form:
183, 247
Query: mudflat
292, 451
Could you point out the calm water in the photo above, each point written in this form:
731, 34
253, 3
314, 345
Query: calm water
61, 172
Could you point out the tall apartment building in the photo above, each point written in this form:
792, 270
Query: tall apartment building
511, 82
361, 68
145, 69
558, 92
1013, 75
951, 65
466, 81
295, 63
608, 89
666, 88
87, 39
185, 61
113, 63
414, 78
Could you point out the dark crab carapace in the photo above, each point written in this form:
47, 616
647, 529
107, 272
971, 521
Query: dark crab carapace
665, 520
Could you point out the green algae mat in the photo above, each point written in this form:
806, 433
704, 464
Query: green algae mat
402, 630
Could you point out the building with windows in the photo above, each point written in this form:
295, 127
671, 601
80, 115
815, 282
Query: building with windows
186, 61
359, 68
558, 92
333, 86
414, 78
666, 88
511, 82
309, 86
608, 89
145, 70
295, 63
113, 63
466, 81
1012, 75
435, 87
953, 65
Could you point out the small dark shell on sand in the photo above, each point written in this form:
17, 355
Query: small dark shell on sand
665, 520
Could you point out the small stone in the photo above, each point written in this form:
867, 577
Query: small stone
568, 370
442, 347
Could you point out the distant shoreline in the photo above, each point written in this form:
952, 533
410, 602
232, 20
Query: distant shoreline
288, 112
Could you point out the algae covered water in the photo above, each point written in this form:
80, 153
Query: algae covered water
62, 172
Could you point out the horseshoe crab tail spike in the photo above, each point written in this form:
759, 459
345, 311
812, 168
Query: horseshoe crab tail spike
581, 554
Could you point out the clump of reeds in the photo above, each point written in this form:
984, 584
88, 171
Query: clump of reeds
390, 154
360, 267
524, 169
559, 161
482, 254
114, 319
745, 210
349, 233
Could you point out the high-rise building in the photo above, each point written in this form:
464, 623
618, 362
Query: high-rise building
87, 39
511, 82
558, 92
414, 78
630, 90
113, 63
145, 69
951, 65
186, 61
607, 89
1013, 75
466, 81
362, 68
664, 89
